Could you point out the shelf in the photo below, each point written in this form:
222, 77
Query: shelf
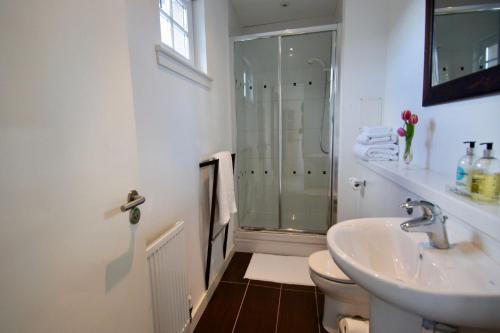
432, 186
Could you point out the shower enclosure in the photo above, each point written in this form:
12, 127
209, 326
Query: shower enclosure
284, 92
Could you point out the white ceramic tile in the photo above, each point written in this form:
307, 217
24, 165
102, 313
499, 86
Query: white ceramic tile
265, 91
312, 142
291, 92
288, 76
313, 113
293, 114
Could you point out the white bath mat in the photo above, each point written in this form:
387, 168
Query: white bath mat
279, 269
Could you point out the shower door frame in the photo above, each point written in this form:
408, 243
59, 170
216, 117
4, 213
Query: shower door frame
333, 112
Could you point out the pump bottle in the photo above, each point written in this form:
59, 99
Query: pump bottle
464, 167
485, 177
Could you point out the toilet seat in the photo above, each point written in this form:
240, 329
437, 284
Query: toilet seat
323, 265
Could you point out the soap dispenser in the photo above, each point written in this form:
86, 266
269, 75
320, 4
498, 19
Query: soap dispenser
464, 168
485, 177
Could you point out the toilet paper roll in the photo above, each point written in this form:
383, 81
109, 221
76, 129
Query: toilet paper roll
351, 325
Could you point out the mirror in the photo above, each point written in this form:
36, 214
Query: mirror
465, 39
462, 48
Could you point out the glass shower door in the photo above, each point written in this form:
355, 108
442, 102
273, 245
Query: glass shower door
257, 113
306, 131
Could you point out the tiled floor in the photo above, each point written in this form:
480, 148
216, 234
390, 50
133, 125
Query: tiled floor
241, 305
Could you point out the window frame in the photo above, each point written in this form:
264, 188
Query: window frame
187, 4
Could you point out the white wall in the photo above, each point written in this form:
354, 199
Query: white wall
362, 75
180, 123
235, 27
474, 119
382, 56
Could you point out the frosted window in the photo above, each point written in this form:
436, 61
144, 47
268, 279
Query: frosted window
179, 14
175, 25
180, 40
166, 30
165, 6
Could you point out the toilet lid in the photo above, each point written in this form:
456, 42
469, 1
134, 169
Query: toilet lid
322, 264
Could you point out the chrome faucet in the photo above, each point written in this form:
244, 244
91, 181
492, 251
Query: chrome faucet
431, 222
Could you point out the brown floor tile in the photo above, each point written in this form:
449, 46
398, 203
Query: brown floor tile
321, 306
265, 284
259, 311
237, 267
297, 312
299, 288
299, 306
221, 312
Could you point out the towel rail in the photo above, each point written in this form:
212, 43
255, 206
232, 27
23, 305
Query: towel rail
211, 236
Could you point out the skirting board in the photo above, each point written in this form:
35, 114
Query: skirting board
202, 305
281, 243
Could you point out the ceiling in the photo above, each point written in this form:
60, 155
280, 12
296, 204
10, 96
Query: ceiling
256, 12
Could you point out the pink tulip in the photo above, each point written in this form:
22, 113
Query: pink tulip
401, 132
406, 115
414, 119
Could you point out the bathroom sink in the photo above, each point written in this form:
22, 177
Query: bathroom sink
458, 286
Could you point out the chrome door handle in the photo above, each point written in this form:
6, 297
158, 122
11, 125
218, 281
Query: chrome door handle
133, 200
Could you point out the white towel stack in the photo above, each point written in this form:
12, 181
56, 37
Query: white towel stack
377, 144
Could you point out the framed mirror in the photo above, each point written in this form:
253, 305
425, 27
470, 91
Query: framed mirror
462, 39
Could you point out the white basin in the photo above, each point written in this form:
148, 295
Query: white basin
459, 286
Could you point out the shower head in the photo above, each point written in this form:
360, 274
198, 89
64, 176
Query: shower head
311, 61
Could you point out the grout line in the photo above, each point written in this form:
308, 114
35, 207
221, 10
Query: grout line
234, 282
269, 287
278, 314
317, 311
241, 305
300, 291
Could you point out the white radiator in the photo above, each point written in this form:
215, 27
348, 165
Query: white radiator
169, 286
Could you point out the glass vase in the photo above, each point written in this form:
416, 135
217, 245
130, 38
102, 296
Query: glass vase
408, 154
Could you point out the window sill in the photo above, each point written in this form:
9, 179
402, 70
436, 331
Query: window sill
168, 59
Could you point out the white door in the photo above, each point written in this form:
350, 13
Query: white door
70, 261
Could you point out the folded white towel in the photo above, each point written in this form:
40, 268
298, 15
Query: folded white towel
379, 158
384, 148
380, 152
352, 325
378, 130
371, 139
226, 201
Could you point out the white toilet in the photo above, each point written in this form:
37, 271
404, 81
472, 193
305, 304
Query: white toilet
342, 296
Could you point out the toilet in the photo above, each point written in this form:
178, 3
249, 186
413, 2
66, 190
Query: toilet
342, 296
